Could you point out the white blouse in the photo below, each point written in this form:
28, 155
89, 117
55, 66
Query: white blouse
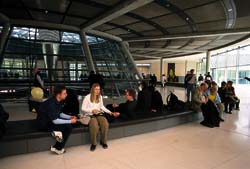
88, 106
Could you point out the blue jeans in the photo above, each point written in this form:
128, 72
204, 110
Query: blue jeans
190, 88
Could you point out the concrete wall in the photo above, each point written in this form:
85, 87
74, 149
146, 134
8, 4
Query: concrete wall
181, 66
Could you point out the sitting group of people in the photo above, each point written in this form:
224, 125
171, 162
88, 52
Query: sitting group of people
213, 101
55, 116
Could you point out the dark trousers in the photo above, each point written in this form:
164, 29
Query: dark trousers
66, 131
230, 103
210, 114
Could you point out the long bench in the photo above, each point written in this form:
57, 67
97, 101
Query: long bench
22, 136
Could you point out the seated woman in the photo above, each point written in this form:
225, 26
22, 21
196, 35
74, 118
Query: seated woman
93, 106
213, 95
124, 111
210, 114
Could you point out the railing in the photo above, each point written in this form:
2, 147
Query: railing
19, 87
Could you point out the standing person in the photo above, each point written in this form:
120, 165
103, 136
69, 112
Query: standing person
92, 78
190, 81
154, 79
208, 78
51, 118
200, 79
92, 105
38, 81
163, 80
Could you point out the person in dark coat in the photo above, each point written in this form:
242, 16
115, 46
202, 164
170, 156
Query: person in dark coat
123, 111
210, 114
71, 103
144, 99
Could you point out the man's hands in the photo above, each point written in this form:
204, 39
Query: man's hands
73, 119
115, 114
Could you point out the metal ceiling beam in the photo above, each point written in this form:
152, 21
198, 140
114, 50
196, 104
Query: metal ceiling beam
145, 56
105, 35
35, 23
115, 12
239, 31
167, 50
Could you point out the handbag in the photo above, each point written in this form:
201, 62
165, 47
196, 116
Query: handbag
84, 119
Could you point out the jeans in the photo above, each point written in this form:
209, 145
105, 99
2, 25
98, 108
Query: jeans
190, 88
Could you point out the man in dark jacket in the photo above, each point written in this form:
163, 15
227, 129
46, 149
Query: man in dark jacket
124, 111
51, 118
144, 99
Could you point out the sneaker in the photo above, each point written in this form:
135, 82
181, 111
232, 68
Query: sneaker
92, 147
57, 135
54, 150
105, 146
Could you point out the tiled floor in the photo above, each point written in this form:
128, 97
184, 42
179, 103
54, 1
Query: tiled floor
189, 146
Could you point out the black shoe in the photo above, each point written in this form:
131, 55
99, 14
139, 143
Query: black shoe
222, 120
229, 112
216, 125
204, 123
92, 147
105, 146
237, 109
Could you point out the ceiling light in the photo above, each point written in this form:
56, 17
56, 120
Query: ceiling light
187, 19
46, 11
229, 10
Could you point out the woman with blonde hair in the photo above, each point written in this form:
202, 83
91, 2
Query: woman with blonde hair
93, 106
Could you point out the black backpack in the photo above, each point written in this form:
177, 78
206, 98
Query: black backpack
4, 116
174, 104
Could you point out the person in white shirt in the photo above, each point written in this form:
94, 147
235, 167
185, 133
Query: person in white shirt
93, 106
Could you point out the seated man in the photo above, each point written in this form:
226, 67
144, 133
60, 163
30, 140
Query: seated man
198, 97
231, 99
50, 118
124, 111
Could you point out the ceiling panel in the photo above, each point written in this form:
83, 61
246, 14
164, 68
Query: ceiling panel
74, 21
209, 12
53, 5
182, 4
123, 20
169, 20
42, 16
151, 10
84, 10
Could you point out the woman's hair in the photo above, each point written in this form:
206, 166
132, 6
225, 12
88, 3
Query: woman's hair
93, 97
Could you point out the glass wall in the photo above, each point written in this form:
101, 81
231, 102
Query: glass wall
61, 60
232, 65
111, 62
57, 54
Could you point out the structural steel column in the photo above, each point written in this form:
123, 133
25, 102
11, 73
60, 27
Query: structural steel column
3, 38
87, 52
208, 61
130, 57
161, 68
